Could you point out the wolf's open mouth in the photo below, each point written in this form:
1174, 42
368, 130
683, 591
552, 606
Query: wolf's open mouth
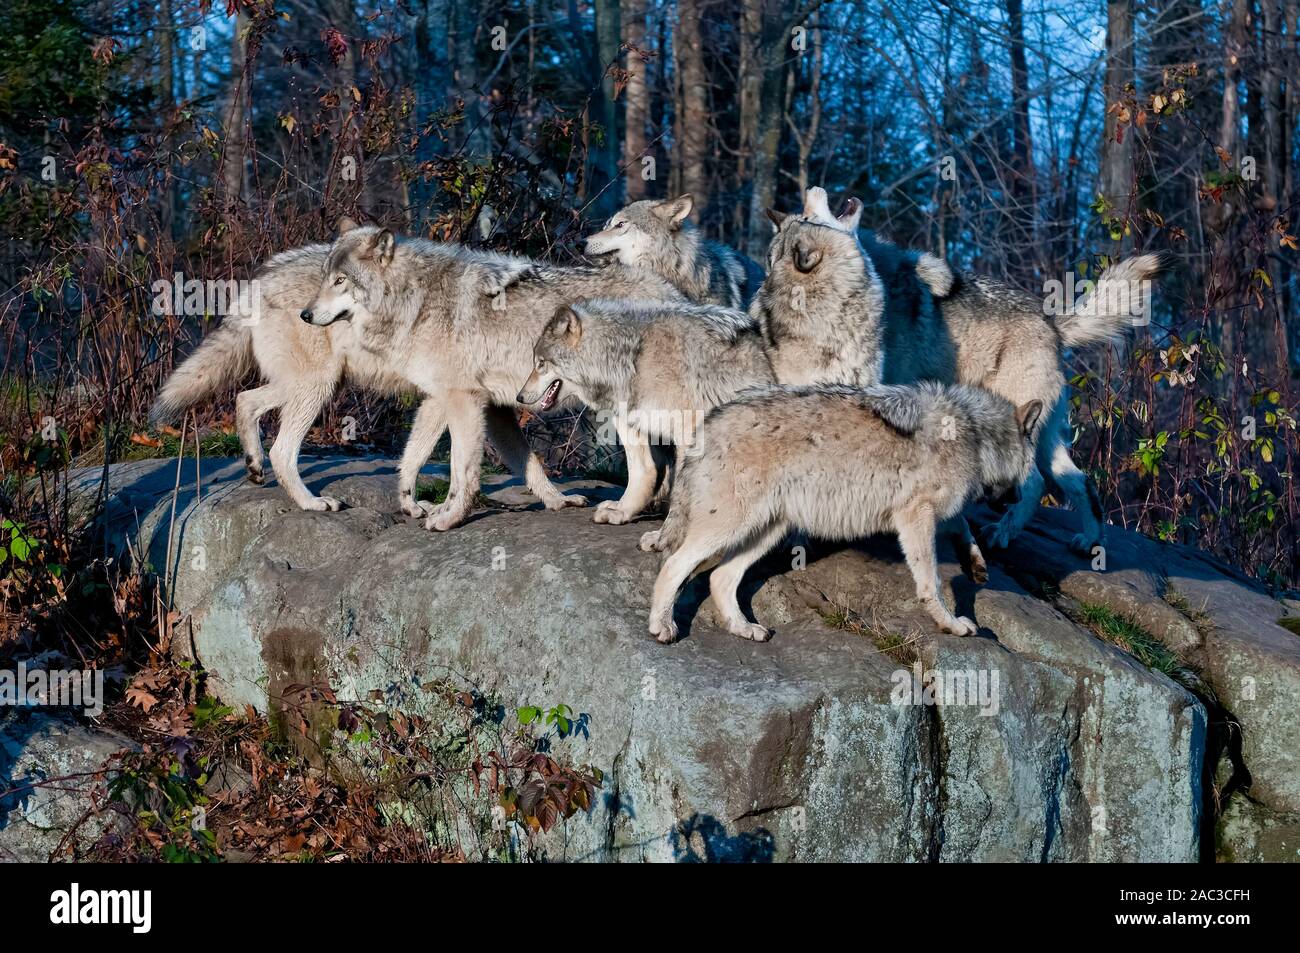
551, 395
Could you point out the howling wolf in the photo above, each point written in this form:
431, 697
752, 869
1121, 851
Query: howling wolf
839, 463
453, 324
657, 235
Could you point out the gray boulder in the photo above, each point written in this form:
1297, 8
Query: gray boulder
50, 766
815, 746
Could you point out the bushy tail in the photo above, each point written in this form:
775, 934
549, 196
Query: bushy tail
223, 358
1118, 301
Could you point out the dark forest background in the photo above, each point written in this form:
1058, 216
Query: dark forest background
1029, 141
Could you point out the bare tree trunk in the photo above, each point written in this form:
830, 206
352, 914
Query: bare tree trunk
636, 103
1233, 51
805, 133
1223, 286
692, 105
233, 159
773, 63
608, 38
461, 31
1273, 94
751, 87
1024, 193
167, 100
1117, 145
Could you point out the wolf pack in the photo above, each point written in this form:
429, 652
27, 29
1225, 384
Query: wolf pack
851, 388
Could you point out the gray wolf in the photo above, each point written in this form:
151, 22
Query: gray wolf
839, 463
656, 235
918, 320
454, 324
655, 369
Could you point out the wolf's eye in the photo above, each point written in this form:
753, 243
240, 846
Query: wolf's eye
339, 280
621, 225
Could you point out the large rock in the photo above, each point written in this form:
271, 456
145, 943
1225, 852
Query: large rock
50, 766
809, 747
1227, 627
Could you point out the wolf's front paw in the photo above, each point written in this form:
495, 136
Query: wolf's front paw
959, 625
610, 512
444, 518
417, 508
649, 541
979, 569
323, 504
750, 630
665, 630
1084, 543
255, 473
562, 500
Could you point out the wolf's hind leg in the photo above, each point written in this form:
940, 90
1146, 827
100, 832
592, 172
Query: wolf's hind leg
426, 430
1080, 490
725, 581
916, 529
969, 555
695, 550
250, 405
297, 414
465, 415
505, 434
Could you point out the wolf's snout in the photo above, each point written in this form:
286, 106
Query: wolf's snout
305, 314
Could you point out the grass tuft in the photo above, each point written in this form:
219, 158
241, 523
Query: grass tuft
1125, 634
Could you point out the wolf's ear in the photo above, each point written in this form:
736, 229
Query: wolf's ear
675, 212
345, 224
850, 214
1027, 416
382, 248
776, 217
566, 325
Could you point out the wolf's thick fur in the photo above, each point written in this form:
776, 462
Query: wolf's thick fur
919, 321
656, 368
454, 324
657, 235
839, 463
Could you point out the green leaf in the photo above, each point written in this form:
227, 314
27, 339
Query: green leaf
19, 548
528, 714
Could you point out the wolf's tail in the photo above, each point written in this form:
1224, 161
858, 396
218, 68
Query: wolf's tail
223, 358
1115, 303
